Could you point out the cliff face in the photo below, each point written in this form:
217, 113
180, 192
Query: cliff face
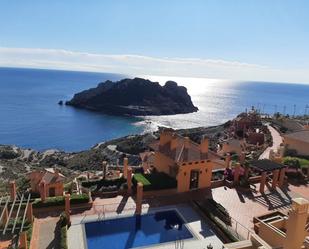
135, 97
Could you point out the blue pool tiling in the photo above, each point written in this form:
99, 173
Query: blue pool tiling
136, 231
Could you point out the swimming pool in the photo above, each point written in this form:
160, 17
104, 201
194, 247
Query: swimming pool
136, 231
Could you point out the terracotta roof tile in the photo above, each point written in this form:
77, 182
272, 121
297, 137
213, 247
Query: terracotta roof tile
302, 135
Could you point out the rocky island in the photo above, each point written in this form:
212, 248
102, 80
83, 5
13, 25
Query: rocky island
139, 97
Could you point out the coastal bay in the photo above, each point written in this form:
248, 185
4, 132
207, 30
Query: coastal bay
31, 117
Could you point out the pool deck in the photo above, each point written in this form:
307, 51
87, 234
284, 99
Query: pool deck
201, 231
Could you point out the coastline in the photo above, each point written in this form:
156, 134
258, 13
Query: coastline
16, 162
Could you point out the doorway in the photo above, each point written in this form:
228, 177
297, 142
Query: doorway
194, 178
52, 192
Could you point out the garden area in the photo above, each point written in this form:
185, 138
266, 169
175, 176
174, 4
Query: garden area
219, 216
62, 227
60, 201
296, 162
105, 185
297, 169
155, 181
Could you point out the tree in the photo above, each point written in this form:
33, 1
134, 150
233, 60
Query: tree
292, 162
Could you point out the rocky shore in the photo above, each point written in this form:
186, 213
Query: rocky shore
15, 162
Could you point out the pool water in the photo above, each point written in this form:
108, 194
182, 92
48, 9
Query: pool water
136, 231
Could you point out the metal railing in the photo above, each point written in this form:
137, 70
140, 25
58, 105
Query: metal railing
238, 230
241, 231
179, 243
100, 212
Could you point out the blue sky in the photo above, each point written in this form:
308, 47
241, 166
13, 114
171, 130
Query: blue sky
272, 35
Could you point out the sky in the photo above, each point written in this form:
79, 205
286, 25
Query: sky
263, 40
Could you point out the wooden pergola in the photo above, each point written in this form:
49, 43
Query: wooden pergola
15, 210
265, 166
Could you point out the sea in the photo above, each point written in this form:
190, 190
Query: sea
30, 116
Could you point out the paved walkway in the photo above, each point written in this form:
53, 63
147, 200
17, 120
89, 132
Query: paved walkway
240, 207
302, 190
277, 140
48, 236
243, 206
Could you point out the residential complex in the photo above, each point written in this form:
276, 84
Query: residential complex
184, 194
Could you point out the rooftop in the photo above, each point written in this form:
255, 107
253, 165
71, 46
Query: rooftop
302, 135
49, 175
266, 165
181, 152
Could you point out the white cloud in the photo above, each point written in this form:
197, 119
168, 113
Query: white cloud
146, 65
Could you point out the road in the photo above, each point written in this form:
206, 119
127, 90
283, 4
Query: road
277, 140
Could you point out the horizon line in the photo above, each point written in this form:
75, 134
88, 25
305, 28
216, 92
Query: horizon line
130, 64
146, 75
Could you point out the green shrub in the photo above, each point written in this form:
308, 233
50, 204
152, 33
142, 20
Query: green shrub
78, 199
23, 184
217, 222
68, 187
100, 185
49, 202
63, 219
62, 225
296, 162
292, 162
109, 189
60, 201
29, 233
217, 210
19, 222
133, 145
234, 157
141, 178
63, 238
155, 181
6, 152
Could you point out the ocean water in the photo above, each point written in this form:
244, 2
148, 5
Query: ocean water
31, 118
221, 100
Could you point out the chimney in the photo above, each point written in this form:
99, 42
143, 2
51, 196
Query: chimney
56, 172
175, 142
204, 146
166, 136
